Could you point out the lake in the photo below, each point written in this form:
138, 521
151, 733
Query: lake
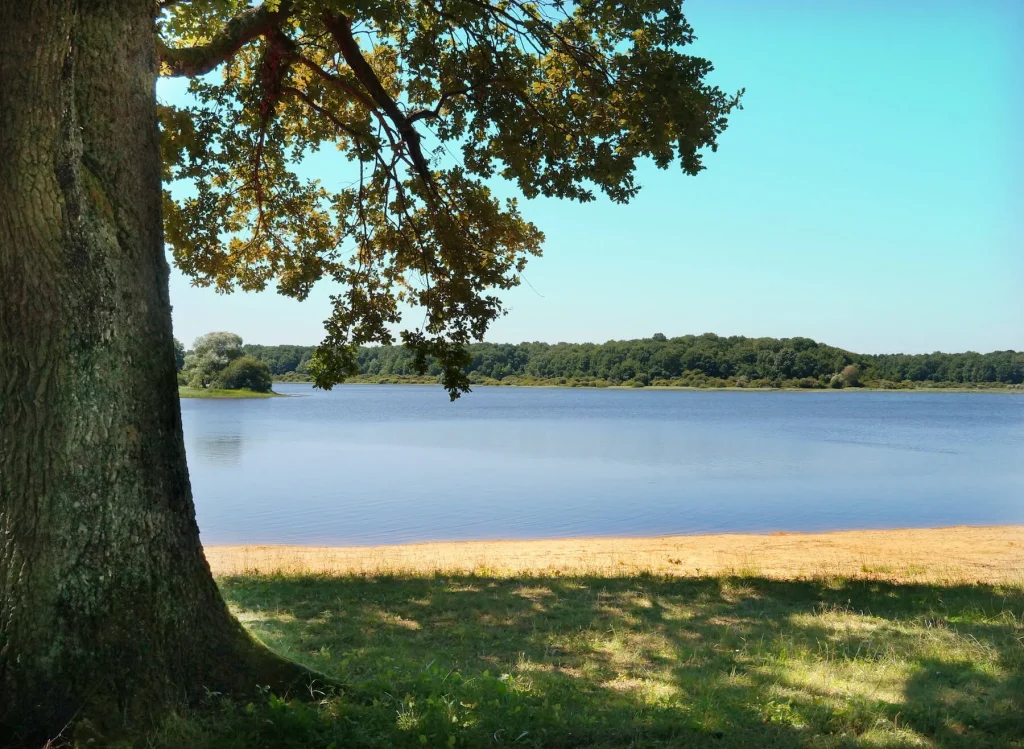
369, 464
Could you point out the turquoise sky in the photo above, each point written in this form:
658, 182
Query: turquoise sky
870, 195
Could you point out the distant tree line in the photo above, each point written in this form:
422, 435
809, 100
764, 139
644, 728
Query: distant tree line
693, 360
282, 360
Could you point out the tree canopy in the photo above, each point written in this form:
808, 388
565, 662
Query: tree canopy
210, 354
179, 354
429, 102
219, 360
245, 372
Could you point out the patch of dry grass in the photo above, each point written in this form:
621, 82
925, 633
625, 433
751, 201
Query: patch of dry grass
989, 555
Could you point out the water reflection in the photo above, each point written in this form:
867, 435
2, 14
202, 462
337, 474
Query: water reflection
379, 464
219, 449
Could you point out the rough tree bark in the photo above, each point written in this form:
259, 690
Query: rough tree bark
107, 605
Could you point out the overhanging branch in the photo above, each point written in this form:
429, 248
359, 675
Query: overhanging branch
340, 28
239, 31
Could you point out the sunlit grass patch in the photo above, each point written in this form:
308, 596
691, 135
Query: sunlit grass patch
612, 661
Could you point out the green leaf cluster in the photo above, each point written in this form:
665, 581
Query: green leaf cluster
210, 354
245, 373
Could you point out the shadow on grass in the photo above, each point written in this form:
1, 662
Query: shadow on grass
630, 662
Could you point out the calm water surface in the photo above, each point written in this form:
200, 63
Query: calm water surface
369, 464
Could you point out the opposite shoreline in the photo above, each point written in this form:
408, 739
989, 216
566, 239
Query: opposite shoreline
998, 389
961, 554
218, 394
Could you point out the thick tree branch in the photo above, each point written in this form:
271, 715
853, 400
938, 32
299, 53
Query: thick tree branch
341, 29
433, 114
239, 31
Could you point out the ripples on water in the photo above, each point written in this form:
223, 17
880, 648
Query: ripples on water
367, 464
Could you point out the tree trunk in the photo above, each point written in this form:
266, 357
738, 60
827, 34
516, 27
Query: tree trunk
107, 605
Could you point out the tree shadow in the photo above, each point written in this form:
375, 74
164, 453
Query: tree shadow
469, 660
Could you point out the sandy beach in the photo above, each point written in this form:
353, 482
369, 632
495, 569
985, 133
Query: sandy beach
946, 555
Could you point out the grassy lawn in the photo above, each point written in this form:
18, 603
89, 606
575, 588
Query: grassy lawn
478, 660
186, 392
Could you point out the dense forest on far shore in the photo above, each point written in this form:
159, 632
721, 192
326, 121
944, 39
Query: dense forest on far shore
695, 361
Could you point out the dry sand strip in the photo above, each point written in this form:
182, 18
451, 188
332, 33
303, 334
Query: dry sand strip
929, 555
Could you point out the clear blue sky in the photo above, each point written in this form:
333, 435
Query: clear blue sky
870, 195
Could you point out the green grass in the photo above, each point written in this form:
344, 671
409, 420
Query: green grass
187, 392
553, 661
